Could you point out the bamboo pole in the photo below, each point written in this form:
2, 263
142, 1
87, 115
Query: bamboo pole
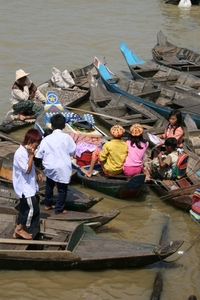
106, 116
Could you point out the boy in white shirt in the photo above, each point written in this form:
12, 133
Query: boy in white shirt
25, 185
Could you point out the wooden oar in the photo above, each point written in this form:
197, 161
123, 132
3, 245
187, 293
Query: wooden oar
106, 116
181, 192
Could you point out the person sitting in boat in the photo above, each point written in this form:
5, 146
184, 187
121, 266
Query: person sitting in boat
137, 147
24, 96
162, 166
173, 129
112, 155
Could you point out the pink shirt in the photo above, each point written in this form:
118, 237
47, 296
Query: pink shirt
169, 132
135, 155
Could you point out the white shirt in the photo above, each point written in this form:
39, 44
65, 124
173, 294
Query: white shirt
23, 183
55, 151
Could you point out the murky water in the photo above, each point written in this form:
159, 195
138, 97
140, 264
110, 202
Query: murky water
38, 35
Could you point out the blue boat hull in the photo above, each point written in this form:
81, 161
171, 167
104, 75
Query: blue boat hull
110, 82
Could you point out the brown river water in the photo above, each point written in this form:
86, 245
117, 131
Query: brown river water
38, 35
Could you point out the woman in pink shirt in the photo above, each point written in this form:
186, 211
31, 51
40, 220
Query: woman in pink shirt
137, 147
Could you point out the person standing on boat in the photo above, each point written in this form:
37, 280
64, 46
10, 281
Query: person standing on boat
24, 95
137, 147
25, 184
56, 151
112, 155
173, 129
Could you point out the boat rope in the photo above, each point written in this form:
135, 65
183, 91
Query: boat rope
193, 243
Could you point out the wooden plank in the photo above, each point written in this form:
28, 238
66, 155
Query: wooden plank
8, 232
31, 242
61, 237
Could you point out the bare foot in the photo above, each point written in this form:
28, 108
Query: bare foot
21, 117
23, 234
49, 207
62, 212
147, 178
86, 172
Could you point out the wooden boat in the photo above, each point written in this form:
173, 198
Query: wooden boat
160, 98
9, 204
95, 219
175, 57
75, 246
76, 200
158, 73
112, 108
192, 135
68, 97
179, 192
78, 92
9, 125
119, 186
74, 123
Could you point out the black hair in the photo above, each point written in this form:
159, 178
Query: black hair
137, 140
172, 142
178, 115
192, 297
58, 121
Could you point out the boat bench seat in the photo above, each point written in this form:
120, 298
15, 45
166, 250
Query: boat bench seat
184, 87
150, 93
183, 182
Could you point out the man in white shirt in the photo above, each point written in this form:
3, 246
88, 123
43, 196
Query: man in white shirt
55, 151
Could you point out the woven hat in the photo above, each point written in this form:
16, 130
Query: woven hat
117, 131
20, 73
136, 130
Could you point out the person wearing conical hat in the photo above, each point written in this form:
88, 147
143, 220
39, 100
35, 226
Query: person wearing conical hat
137, 147
24, 94
112, 155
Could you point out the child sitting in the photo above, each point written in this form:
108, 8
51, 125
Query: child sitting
137, 147
112, 155
162, 166
173, 129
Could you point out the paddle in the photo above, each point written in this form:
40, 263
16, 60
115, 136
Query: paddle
180, 192
106, 116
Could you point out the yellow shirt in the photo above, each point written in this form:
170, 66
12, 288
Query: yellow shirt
113, 156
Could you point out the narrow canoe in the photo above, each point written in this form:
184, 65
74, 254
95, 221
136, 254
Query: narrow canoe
175, 57
158, 73
78, 247
112, 108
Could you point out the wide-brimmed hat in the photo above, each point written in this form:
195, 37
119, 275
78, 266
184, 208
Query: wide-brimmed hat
20, 73
136, 130
117, 131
